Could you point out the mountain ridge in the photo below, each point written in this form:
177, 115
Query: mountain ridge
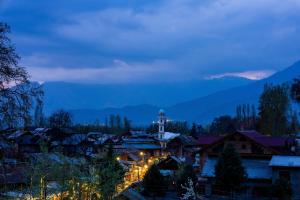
204, 109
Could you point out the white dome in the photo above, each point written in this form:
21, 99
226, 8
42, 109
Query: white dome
161, 111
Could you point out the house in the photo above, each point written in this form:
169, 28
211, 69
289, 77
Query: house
13, 178
75, 144
249, 144
141, 142
183, 147
206, 140
101, 143
7, 149
287, 168
168, 167
256, 151
30, 143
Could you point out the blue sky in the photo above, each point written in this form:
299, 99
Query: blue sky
117, 41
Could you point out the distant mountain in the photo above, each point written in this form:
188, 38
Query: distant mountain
202, 109
206, 108
139, 115
92, 96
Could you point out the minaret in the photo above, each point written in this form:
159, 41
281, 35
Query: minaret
161, 124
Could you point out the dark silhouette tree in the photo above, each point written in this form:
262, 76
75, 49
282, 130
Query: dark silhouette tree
194, 131
229, 171
273, 107
60, 119
154, 183
39, 118
222, 125
17, 93
110, 174
127, 125
282, 189
295, 90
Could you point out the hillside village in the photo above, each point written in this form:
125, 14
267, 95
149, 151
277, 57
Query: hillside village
265, 158
150, 100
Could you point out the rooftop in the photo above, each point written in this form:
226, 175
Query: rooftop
256, 169
285, 161
268, 141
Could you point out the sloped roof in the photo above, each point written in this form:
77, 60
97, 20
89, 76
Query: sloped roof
285, 161
39, 131
269, 141
74, 139
185, 140
137, 146
255, 168
208, 139
15, 134
275, 144
169, 163
169, 136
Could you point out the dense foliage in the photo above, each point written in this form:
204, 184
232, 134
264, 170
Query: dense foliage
282, 189
76, 178
222, 125
60, 119
229, 170
295, 90
154, 183
246, 118
110, 174
273, 108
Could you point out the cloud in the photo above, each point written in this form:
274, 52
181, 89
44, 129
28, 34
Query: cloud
252, 75
220, 34
190, 38
178, 21
118, 72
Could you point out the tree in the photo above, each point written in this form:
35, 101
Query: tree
246, 117
60, 119
229, 171
189, 191
194, 131
153, 182
110, 175
273, 107
39, 118
118, 122
295, 90
112, 121
186, 173
294, 123
282, 189
127, 125
222, 125
38, 171
17, 94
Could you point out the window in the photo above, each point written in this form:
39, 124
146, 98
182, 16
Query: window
285, 175
244, 146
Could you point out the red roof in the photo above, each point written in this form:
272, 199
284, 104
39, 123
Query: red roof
208, 139
269, 141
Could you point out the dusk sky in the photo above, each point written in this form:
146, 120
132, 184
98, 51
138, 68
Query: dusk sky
121, 41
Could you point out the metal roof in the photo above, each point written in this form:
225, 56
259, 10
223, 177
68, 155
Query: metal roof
256, 169
137, 146
285, 161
